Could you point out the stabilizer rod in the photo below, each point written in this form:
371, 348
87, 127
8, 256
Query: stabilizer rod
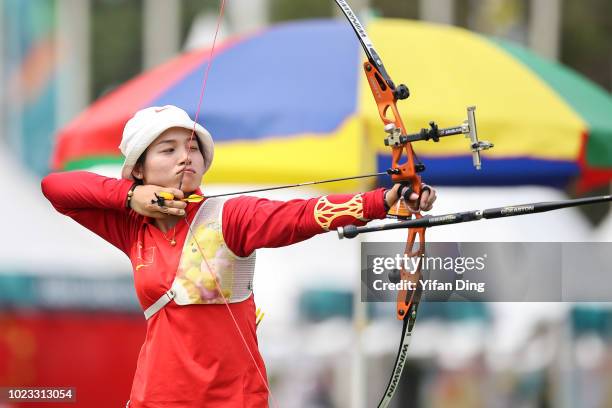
351, 231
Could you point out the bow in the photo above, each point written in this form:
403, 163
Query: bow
386, 94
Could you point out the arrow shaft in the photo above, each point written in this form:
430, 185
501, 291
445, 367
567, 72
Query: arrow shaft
307, 183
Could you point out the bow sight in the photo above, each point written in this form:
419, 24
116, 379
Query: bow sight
467, 128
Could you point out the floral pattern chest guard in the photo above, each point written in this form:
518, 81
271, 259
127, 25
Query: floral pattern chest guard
219, 275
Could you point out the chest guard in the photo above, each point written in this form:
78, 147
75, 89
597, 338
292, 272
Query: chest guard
219, 274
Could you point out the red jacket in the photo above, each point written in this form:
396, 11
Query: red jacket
192, 356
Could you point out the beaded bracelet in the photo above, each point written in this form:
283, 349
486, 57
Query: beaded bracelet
129, 195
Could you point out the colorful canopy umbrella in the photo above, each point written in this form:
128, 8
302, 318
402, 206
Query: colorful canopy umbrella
289, 104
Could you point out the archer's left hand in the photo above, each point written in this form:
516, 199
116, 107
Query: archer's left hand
428, 196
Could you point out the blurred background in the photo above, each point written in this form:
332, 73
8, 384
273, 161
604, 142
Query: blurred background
286, 102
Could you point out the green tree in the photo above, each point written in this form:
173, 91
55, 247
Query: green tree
116, 43
586, 39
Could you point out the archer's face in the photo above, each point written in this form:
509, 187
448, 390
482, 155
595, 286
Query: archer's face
172, 156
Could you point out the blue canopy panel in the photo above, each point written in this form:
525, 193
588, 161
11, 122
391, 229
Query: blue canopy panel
327, 62
459, 171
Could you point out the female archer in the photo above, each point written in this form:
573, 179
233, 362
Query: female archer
193, 260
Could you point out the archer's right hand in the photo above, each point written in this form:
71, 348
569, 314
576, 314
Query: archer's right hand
145, 201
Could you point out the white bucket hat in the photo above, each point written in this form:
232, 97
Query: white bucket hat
147, 124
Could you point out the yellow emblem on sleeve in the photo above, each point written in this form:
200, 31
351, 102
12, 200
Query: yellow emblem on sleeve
325, 212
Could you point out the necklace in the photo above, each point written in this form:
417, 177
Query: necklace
172, 240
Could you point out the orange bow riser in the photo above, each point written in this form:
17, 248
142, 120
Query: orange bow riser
401, 172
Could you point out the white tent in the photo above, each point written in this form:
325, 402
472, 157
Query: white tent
40, 241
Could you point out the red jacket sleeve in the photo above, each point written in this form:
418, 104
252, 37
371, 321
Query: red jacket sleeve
94, 201
250, 223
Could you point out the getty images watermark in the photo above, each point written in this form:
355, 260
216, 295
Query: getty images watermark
489, 271
385, 266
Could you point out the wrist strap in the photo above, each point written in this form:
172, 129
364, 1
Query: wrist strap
129, 195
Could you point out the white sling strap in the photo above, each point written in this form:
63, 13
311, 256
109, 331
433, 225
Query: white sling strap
160, 303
